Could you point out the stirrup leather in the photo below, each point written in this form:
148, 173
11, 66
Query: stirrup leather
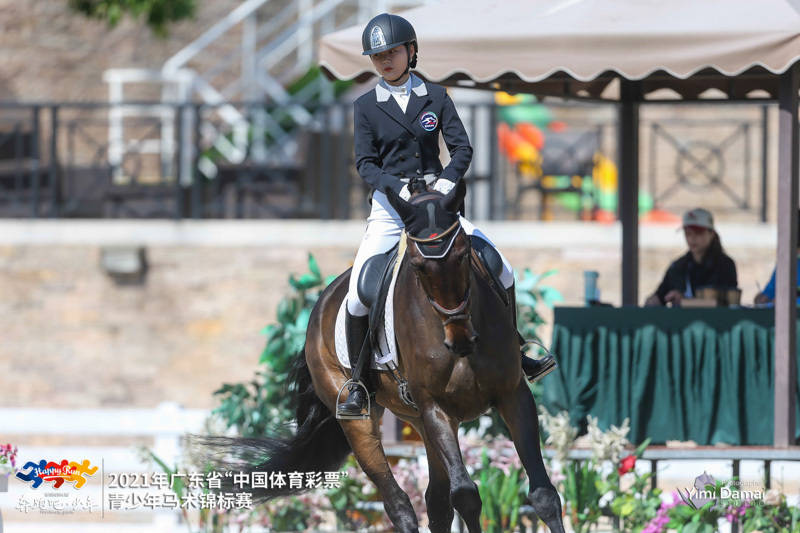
347, 416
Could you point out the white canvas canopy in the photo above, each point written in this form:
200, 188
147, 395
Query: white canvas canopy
534, 40
626, 50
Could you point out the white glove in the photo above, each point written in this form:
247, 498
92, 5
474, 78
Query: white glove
443, 185
405, 194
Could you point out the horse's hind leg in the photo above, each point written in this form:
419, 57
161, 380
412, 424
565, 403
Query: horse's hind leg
444, 456
518, 410
364, 439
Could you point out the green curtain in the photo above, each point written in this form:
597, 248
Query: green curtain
679, 374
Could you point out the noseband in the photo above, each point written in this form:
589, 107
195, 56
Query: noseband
456, 313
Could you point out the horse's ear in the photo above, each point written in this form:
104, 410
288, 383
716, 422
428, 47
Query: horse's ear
452, 200
403, 208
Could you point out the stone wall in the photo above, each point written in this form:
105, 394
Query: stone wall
48, 52
73, 338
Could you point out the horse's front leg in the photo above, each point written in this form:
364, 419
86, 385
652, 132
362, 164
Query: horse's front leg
518, 410
365, 441
437, 494
444, 457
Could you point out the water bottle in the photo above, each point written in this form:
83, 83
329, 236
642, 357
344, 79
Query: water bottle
590, 290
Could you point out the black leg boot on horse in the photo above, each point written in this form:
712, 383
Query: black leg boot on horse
534, 369
356, 330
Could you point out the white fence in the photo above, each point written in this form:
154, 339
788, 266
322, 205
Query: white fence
164, 425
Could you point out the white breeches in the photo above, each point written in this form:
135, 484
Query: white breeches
383, 231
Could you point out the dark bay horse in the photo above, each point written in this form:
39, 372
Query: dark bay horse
459, 351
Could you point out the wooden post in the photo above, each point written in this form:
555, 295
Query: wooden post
786, 277
628, 206
389, 429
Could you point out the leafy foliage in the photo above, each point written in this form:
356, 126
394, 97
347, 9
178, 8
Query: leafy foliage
502, 494
254, 406
581, 494
772, 517
157, 13
638, 503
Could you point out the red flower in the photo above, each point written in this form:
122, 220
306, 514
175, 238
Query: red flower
627, 464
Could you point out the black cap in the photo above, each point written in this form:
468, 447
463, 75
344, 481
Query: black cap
386, 31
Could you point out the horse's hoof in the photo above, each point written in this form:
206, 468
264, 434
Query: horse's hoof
547, 505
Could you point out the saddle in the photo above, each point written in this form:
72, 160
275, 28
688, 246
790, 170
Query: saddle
487, 263
376, 277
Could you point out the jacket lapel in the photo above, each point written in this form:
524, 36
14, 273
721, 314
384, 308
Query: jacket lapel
415, 105
391, 108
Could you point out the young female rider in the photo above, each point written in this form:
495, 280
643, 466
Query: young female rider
397, 126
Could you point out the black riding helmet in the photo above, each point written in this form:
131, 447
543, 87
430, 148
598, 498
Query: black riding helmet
386, 31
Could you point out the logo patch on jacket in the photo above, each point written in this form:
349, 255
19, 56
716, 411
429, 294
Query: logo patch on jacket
429, 121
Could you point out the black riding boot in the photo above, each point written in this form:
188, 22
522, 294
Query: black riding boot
356, 329
534, 369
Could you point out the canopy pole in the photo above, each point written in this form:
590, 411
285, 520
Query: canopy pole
786, 277
628, 203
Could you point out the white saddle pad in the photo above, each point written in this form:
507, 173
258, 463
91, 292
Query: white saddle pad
388, 346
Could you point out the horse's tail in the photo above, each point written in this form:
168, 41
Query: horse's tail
317, 444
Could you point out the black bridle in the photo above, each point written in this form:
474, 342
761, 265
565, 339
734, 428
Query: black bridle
458, 312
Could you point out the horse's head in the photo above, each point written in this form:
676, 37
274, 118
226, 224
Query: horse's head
439, 252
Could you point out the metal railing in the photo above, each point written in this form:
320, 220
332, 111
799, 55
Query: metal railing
64, 160
59, 160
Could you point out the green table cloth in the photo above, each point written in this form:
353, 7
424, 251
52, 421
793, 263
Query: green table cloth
704, 375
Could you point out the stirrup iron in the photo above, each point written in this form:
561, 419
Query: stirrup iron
362, 416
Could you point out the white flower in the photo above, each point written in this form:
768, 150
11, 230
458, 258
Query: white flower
606, 499
560, 434
608, 445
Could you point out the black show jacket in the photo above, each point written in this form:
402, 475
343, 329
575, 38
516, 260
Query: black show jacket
390, 144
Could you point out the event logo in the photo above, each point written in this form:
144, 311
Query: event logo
56, 473
429, 121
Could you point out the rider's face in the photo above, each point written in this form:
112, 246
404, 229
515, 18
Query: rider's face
390, 63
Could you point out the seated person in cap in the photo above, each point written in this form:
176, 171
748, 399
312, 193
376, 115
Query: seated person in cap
768, 294
704, 265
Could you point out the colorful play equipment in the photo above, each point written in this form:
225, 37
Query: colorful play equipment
522, 135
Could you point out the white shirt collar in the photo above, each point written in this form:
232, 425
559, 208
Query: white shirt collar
382, 92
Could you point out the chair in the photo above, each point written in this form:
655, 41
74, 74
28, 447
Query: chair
564, 163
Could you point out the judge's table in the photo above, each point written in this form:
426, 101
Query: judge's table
700, 374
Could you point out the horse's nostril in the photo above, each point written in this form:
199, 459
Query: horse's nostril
473, 339
461, 349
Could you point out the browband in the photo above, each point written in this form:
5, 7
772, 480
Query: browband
438, 237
